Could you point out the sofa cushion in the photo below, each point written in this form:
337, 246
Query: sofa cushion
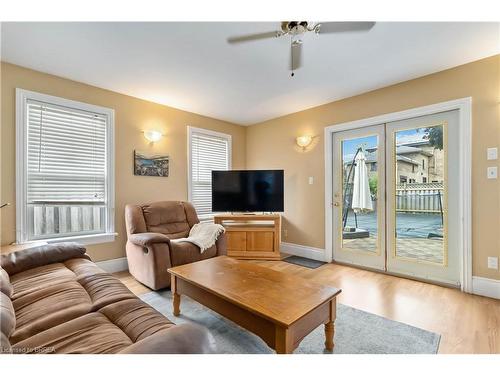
83, 267
186, 252
104, 289
56, 293
44, 276
39, 278
5, 284
110, 330
136, 318
7, 315
134, 219
191, 215
48, 307
167, 218
91, 333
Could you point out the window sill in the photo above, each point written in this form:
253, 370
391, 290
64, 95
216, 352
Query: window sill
89, 239
206, 218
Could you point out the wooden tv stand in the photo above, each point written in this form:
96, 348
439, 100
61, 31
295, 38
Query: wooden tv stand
252, 236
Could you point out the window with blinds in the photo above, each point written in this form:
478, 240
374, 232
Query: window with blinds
208, 151
66, 170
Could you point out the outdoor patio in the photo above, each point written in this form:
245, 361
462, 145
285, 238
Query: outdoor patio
412, 235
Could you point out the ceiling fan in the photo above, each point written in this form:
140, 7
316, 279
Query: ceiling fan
295, 29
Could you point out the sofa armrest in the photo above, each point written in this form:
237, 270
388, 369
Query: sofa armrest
23, 260
148, 238
221, 244
181, 339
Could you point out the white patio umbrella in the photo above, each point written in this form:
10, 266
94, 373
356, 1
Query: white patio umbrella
361, 197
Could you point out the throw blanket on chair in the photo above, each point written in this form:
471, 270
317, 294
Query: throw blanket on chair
203, 235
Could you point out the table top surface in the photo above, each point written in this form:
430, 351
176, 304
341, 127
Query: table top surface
274, 295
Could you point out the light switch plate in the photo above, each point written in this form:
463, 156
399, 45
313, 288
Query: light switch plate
492, 153
311, 180
492, 172
493, 263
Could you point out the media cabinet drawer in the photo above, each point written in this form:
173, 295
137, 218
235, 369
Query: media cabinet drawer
236, 241
260, 241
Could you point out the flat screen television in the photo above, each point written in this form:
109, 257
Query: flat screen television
248, 191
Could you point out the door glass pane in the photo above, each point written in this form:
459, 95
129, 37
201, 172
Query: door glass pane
359, 194
420, 200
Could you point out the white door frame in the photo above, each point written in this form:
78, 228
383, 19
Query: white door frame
464, 106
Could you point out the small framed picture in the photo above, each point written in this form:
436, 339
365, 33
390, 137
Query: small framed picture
147, 164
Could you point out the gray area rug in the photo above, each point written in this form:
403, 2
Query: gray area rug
304, 262
356, 331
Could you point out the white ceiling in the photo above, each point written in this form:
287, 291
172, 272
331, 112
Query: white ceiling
190, 66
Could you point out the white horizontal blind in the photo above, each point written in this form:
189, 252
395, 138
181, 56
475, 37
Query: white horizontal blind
208, 152
66, 155
66, 171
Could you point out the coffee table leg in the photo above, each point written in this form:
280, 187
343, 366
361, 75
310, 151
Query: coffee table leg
329, 332
330, 326
176, 296
283, 341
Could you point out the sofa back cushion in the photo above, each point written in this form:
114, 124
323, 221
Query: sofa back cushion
5, 285
168, 218
134, 219
191, 215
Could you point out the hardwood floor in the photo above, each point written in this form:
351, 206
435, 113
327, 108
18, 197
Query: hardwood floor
467, 323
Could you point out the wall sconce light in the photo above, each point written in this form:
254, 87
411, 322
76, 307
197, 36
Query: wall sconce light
152, 135
304, 141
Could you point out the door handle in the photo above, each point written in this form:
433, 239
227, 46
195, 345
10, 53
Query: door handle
336, 204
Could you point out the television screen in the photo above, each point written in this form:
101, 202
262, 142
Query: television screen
248, 191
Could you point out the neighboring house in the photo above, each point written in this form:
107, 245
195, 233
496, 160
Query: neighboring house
436, 161
417, 162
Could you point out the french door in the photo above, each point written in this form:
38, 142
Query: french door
359, 235
407, 220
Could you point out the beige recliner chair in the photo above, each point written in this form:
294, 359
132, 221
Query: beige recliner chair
150, 227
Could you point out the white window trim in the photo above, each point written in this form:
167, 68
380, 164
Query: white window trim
191, 130
22, 96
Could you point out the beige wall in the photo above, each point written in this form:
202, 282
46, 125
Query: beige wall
131, 117
271, 145
268, 145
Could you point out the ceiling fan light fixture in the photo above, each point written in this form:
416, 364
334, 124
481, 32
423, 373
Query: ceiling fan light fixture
295, 29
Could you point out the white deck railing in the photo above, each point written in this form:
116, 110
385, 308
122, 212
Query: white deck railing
50, 220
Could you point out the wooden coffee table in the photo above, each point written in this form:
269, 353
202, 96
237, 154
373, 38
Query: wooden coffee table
280, 308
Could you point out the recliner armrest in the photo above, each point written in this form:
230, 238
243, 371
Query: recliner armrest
148, 238
23, 260
181, 339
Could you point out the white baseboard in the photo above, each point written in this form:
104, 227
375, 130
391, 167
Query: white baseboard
114, 265
303, 251
486, 287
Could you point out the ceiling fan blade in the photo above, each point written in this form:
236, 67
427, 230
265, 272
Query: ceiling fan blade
296, 56
342, 27
252, 37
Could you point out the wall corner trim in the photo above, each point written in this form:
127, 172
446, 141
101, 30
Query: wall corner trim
486, 287
303, 251
114, 265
